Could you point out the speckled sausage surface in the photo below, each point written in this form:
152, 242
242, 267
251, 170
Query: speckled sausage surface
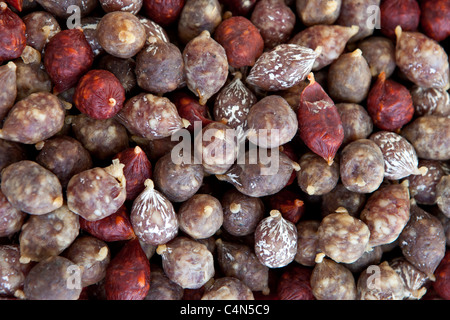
132, 6
430, 68
430, 101
380, 282
98, 192
12, 272
316, 176
399, 155
332, 40
340, 196
349, 78
65, 157
201, 216
239, 261
89, 26
429, 136
102, 138
359, 13
33, 119
40, 27
123, 69
423, 187
422, 241
31, 77
307, 243
443, 195
233, 103
318, 12
177, 181
332, 281
275, 240
161, 287
380, 55
150, 116
342, 237
386, 213
271, 122
92, 256
241, 213
356, 121
187, 262
9, 93
205, 66
275, 21
282, 67
56, 270
256, 178
60, 9
153, 29
31, 188
414, 280
121, 34
159, 66
48, 235
228, 288
197, 16
153, 216
11, 219
362, 166
215, 147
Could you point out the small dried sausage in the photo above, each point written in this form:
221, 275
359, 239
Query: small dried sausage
228, 288
187, 262
177, 181
65, 157
239, 261
150, 116
422, 60
201, 216
197, 16
332, 281
282, 67
56, 270
98, 192
153, 217
423, 241
92, 256
9, 90
386, 213
342, 237
47, 235
380, 282
275, 21
362, 166
36, 118
241, 213
275, 240
318, 12
331, 39
121, 34
429, 136
159, 66
316, 176
205, 66
31, 188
